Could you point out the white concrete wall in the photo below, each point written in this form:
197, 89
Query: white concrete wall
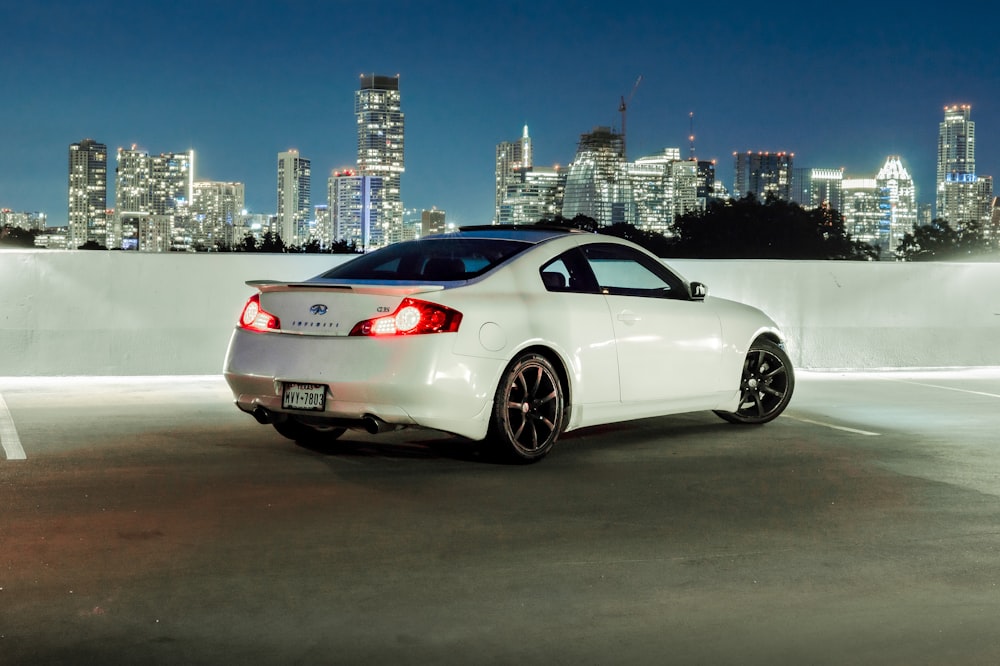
118, 313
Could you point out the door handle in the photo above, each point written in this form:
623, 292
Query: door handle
628, 317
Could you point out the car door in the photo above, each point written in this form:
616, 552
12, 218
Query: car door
669, 346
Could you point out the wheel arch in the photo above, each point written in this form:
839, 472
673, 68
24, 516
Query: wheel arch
770, 336
560, 365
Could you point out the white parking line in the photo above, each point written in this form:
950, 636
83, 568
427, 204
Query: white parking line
946, 388
9, 440
867, 433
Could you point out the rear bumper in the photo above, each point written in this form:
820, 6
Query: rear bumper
407, 381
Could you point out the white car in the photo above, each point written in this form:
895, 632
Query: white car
507, 334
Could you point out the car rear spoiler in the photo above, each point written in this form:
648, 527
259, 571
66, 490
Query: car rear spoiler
374, 288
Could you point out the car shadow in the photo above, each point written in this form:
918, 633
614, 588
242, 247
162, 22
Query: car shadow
419, 444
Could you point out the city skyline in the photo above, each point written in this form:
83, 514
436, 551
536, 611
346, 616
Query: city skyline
836, 92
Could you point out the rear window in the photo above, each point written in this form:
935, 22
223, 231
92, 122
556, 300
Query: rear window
430, 260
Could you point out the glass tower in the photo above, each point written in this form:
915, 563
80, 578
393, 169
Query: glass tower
380, 147
597, 185
88, 193
897, 205
294, 192
513, 157
961, 196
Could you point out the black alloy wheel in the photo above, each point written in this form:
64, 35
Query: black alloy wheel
529, 409
766, 385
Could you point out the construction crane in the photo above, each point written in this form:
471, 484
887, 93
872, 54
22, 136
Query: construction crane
622, 108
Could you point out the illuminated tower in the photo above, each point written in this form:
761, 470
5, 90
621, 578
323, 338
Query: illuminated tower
380, 147
897, 203
294, 189
513, 157
88, 192
961, 196
172, 183
763, 173
597, 185
355, 204
132, 181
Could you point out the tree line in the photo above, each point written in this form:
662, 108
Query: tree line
748, 228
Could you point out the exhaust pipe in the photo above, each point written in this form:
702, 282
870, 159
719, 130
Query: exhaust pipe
263, 415
374, 425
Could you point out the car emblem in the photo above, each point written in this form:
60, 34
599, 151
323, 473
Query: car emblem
318, 309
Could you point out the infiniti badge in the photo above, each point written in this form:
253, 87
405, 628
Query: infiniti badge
318, 309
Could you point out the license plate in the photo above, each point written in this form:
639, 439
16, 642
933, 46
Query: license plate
307, 397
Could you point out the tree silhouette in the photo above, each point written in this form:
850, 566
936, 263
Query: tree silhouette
343, 247
775, 229
248, 244
17, 237
939, 241
271, 242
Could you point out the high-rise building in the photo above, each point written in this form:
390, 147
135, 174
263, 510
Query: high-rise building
962, 196
355, 206
826, 188
216, 208
380, 148
152, 201
294, 191
897, 204
512, 158
763, 173
652, 187
597, 184
432, 222
88, 193
532, 194
862, 210
817, 188
133, 177
172, 183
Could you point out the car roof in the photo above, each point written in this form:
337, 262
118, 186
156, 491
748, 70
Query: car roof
532, 233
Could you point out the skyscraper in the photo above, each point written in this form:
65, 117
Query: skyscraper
962, 197
597, 185
216, 209
897, 203
432, 222
172, 183
380, 147
132, 181
152, 200
294, 191
861, 209
88, 192
355, 204
512, 158
532, 194
763, 173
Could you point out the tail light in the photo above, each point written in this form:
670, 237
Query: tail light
412, 317
255, 318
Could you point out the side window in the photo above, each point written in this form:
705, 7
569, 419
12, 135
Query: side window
623, 271
569, 272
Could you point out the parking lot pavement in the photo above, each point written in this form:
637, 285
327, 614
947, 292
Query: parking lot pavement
150, 521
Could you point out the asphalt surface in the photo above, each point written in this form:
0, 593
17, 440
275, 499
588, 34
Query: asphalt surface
147, 521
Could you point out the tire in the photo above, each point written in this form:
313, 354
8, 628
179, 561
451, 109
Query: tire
528, 410
766, 385
310, 436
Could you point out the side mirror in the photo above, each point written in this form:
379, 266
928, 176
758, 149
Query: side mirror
698, 291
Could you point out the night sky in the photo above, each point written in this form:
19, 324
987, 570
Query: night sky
839, 85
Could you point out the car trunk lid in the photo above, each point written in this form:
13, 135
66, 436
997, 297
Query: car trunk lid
331, 309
